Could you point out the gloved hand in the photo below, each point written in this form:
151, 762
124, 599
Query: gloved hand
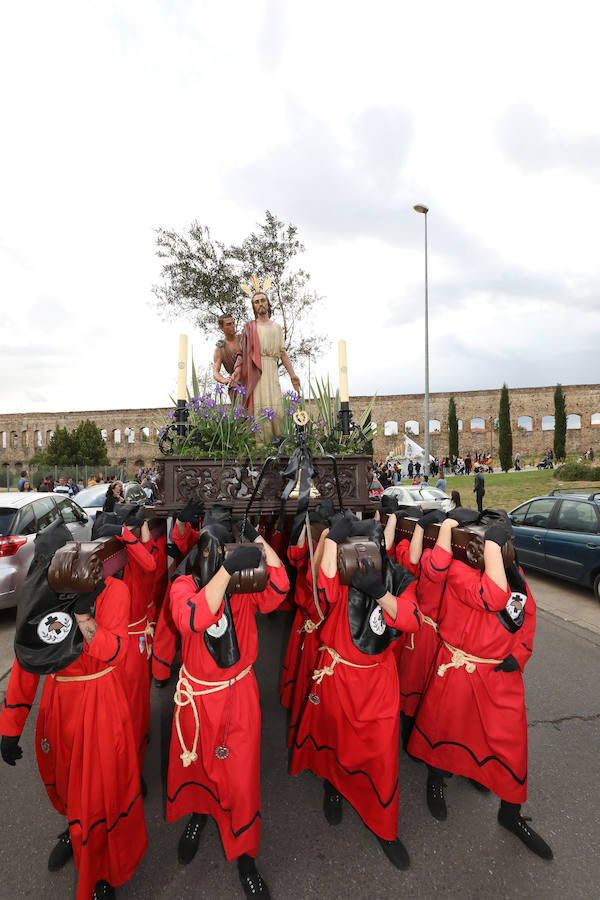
509, 664
370, 582
464, 515
85, 602
191, 511
433, 517
499, 534
109, 529
242, 558
340, 530
10, 749
137, 516
389, 504
173, 551
250, 532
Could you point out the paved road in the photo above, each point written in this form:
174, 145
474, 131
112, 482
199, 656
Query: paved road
467, 857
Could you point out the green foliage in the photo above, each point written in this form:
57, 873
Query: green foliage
504, 431
90, 448
577, 472
201, 279
452, 429
61, 449
328, 407
560, 422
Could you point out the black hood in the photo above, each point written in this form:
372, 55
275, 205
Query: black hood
49, 541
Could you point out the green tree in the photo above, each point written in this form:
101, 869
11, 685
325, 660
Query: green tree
452, 429
504, 431
201, 280
61, 449
89, 445
560, 422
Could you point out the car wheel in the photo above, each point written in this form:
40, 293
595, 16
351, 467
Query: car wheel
597, 587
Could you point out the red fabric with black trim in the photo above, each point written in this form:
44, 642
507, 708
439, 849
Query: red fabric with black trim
138, 574
164, 644
401, 553
161, 578
90, 771
227, 789
476, 724
420, 649
350, 737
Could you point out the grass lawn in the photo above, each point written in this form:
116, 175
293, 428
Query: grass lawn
505, 490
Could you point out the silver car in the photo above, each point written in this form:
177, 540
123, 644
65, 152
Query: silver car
422, 496
91, 499
22, 516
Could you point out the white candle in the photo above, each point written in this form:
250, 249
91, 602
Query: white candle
182, 367
344, 395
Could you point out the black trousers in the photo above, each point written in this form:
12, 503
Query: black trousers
480, 502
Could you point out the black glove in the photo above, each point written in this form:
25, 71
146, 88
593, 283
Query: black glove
85, 602
433, 517
340, 530
507, 665
173, 551
136, 516
192, 510
161, 682
498, 534
389, 504
10, 749
250, 532
242, 558
108, 529
463, 515
370, 582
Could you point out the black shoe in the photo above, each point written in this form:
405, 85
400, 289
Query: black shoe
436, 800
530, 838
479, 787
189, 840
103, 891
396, 852
62, 853
251, 879
332, 804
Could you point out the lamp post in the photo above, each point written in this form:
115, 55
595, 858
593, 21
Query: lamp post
127, 433
424, 210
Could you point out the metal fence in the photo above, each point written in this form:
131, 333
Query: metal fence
85, 473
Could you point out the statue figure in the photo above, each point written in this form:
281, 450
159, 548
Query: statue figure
256, 367
226, 352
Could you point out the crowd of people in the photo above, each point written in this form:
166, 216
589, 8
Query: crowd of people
68, 486
410, 641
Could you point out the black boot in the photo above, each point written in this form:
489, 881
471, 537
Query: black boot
406, 727
332, 803
436, 800
62, 853
103, 891
395, 851
189, 840
510, 818
251, 879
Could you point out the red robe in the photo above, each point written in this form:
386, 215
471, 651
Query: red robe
401, 553
165, 634
349, 733
90, 770
138, 575
419, 651
227, 789
251, 362
476, 724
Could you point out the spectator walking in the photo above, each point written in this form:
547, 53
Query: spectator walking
517, 461
441, 483
479, 489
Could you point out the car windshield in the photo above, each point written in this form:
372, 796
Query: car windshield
7, 517
91, 496
433, 494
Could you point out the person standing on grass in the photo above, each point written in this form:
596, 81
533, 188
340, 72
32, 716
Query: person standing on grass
479, 489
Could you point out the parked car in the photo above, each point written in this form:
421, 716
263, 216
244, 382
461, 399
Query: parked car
560, 534
22, 516
422, 496
91, 499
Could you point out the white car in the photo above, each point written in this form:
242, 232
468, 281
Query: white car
22, 517
422, 496
92, 498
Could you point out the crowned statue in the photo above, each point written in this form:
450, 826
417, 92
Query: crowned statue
257, 363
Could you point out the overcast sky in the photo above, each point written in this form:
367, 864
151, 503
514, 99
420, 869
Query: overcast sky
119, 118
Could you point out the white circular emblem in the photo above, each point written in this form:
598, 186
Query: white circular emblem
54, 627
376, 620
220, 628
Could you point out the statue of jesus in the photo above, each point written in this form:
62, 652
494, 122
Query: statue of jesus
261, 349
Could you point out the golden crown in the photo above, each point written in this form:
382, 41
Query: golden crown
254, 286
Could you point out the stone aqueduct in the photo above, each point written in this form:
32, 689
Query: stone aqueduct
532, 411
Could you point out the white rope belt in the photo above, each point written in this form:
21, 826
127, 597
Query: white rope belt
319, 674
184, 696
83, 677
460, 658
427, 621
308, 626
148, 632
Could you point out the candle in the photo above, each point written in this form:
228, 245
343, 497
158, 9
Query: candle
182, 367
344, 395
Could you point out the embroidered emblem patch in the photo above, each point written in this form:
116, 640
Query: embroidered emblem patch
221, 752
314, 699
220, 628
516, 607
54, 627
376, 621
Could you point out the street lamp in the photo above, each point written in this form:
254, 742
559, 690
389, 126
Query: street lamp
424, 209
127, 433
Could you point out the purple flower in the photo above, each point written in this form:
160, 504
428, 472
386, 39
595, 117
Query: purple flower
241, 390
219, 389
170, 415
240, 413
255, 427
270, 414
